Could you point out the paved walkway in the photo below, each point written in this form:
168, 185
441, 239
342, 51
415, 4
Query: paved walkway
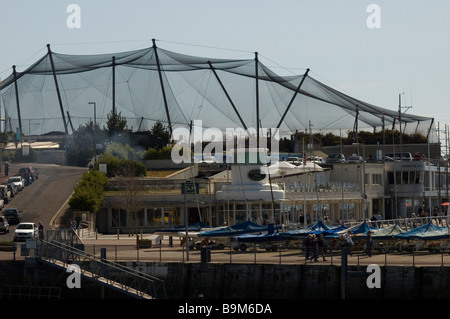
124, 248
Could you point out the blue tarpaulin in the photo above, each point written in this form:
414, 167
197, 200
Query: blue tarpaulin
428, 231
238, 229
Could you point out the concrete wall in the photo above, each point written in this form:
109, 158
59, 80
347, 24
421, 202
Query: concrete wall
252, 281
269, 281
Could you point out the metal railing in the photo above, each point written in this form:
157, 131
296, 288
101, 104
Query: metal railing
385, 253
112, 274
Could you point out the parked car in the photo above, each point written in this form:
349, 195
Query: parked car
18, 181
34, 173
315, 159
405, 156
5, 193
29, 173
294, 160
4, 225
335, 158
13, 215
25, 231
355, 159
12, 188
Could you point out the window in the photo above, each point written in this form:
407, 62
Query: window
377, 179
119, 217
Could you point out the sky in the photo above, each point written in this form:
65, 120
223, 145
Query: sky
400, 48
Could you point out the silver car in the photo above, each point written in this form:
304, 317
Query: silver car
18, 181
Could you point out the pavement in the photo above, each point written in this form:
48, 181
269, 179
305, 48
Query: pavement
123, 248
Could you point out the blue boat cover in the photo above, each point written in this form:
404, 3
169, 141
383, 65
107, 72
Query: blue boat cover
317, 228
191, 227
238, 229
428, 231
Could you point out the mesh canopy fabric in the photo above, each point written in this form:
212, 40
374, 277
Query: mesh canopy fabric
154, 84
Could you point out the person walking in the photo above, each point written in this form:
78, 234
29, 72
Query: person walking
369, 244
6, 168
41, 231
307, 246
348, 242
314, 244
321, 247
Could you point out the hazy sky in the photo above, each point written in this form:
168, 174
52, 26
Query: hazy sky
409, 52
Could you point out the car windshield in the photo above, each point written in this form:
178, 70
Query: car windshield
10, 212
25, 226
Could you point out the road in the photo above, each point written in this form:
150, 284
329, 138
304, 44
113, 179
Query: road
42, 199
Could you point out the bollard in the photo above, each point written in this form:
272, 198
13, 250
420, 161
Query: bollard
103, 254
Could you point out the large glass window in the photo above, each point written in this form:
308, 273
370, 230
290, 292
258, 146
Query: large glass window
119, 217
154, 216
241, 213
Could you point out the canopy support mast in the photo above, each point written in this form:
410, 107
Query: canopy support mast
113, 85
17, 100
57, 89
293, 98
257, 100
226, 93
162, 86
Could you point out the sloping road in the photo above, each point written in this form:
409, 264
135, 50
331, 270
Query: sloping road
42, 199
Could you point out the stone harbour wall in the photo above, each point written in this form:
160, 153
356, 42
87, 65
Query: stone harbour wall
251, 281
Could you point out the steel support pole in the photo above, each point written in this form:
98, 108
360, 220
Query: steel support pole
162, 86
227, 95
17, 100
57, 88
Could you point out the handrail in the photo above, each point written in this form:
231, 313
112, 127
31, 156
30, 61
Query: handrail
114, 274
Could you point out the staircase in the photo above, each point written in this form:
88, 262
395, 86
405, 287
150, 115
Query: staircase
64, 251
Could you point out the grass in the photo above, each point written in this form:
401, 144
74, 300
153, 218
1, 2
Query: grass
160, 173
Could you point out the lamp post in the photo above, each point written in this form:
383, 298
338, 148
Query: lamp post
94, 129
95, 113
400, 114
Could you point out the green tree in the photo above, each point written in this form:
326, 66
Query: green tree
80, 147
159, 136
116, 125
88, 195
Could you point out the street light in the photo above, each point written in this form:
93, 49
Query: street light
94, 130
95, 113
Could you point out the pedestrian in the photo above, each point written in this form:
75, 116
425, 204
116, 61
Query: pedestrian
6, 168
348, 242
369, 244
307, 245
41, 231
374, 220
73, 225
314, 247
321, 247
379, 219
